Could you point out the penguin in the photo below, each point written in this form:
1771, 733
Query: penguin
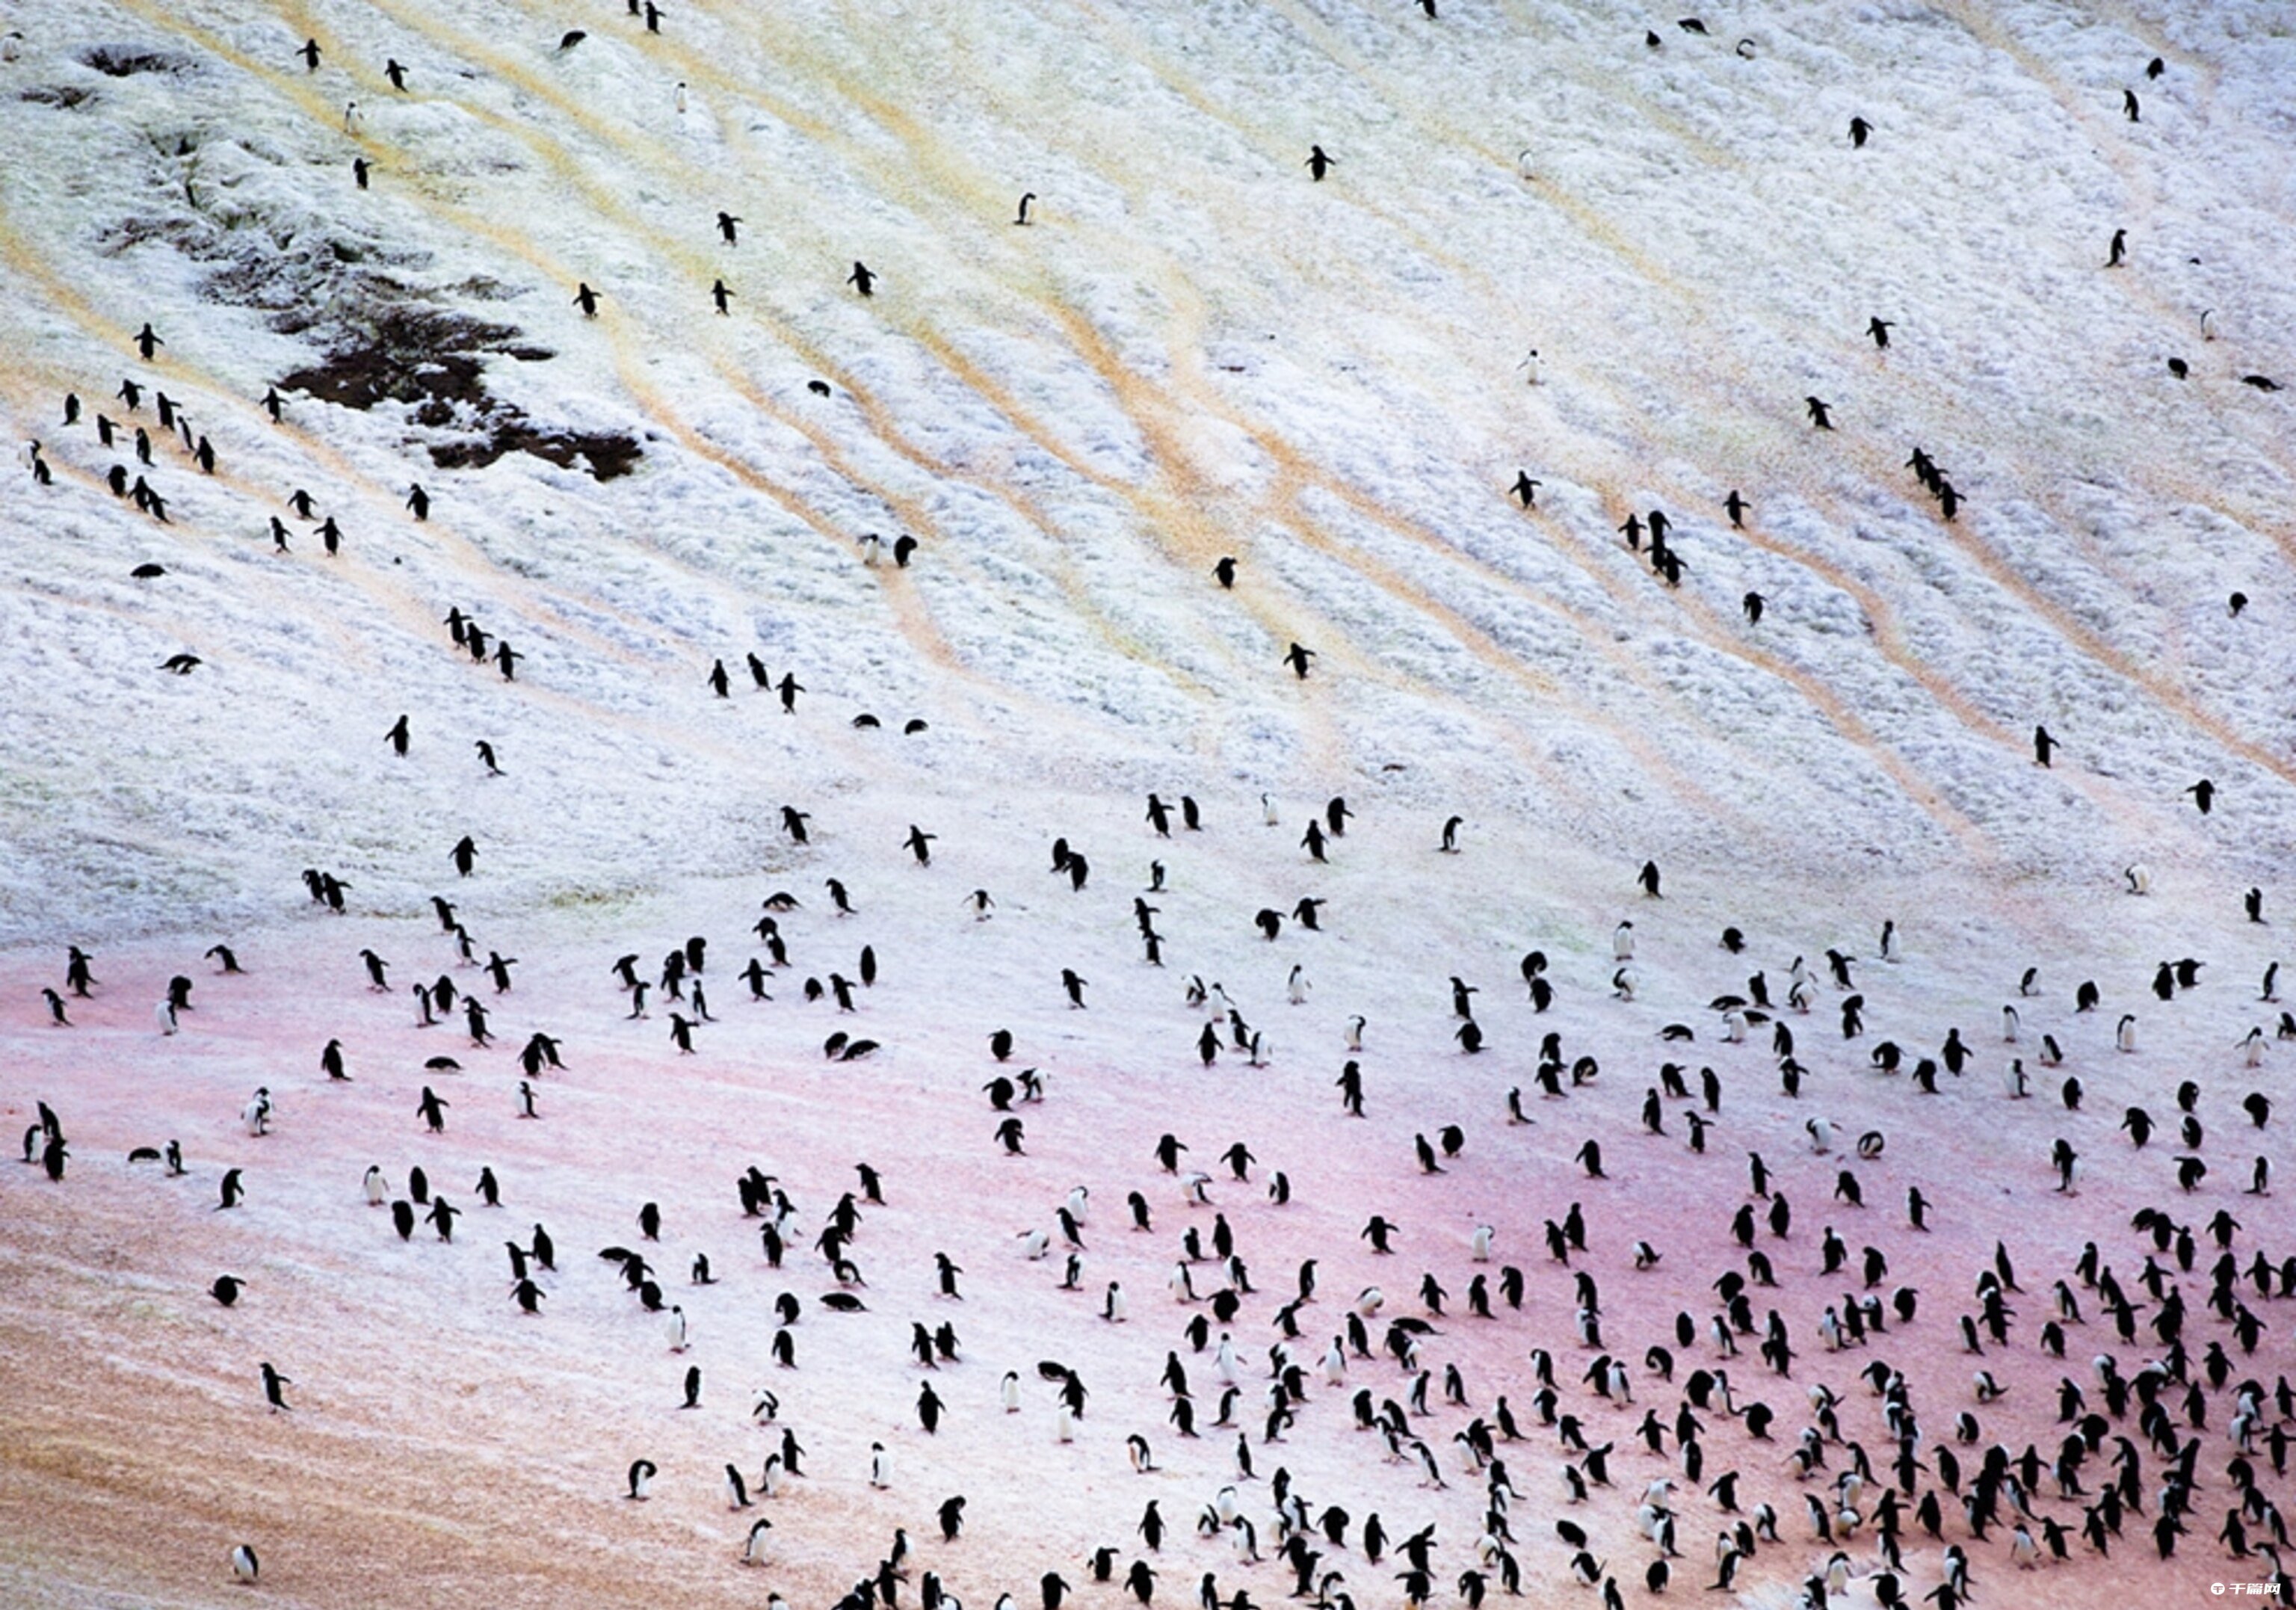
641, 1472
244, 1566
753, 1546
1317, 163
1526, 488
1450, 844
273, 1381
1820, 415
862, 280
1020, 218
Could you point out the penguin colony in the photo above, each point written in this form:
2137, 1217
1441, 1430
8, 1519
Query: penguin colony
1506, 1378
1508, 1361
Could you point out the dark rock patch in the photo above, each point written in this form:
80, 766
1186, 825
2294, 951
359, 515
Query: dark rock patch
433, 361
126, 61
64, 96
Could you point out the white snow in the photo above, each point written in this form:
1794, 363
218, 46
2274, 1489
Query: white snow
1192, 350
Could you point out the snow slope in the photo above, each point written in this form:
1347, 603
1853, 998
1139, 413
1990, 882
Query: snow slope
1192, 350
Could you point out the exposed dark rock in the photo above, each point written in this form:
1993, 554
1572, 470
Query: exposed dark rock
126, 61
